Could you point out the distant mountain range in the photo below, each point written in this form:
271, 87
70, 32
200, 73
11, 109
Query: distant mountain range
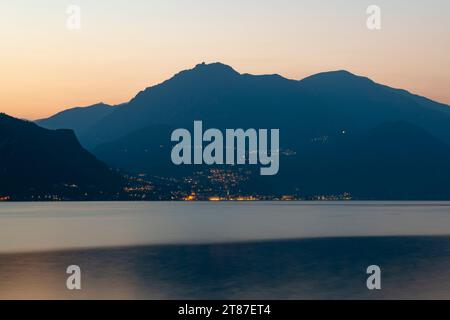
79, 119
42, 164
340, 133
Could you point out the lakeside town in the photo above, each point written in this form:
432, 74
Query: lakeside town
205, 185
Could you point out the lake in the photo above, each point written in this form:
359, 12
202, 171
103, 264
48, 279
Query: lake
225, 250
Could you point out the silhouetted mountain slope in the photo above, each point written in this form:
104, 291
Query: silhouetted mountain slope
79, 119
323, 104
37, 161
145, 150
398, 161
395, 161
348, 133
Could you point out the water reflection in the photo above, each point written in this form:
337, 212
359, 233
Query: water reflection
331, 268
60, 226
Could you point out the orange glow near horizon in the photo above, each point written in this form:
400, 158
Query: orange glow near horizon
124, 47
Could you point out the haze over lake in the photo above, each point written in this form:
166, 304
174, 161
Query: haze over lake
225, 250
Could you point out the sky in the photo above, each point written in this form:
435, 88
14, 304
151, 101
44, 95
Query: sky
124, 46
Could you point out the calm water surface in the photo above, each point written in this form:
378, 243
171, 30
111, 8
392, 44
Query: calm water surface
252, 250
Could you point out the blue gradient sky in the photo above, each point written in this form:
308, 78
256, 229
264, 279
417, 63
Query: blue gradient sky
125, 46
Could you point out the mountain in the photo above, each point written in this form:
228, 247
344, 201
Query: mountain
326, 103
329, 123
37, 163
394, 161
400, 161
79, 119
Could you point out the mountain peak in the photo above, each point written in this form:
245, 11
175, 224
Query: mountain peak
337, 79
341, 72
334, 74
211, 71
214, 67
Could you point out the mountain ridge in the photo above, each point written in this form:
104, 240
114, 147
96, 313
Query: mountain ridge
38, 163
203, 70
326, 124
